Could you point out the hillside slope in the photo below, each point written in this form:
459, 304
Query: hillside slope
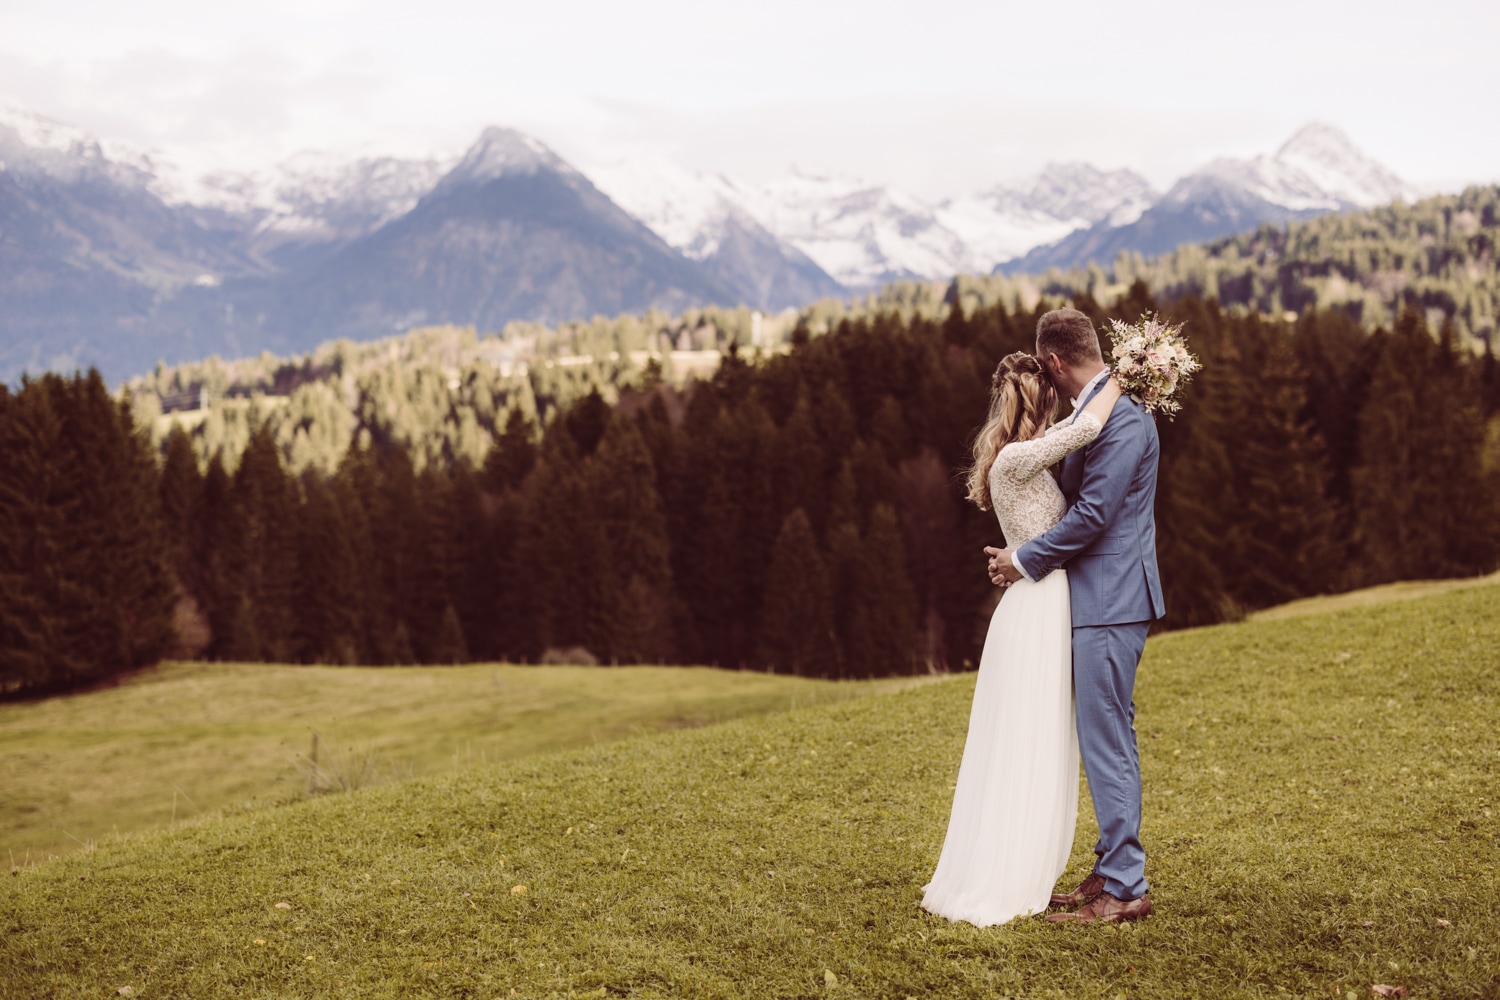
189, 740
1319, 816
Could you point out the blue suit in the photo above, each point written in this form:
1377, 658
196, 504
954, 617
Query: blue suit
1107, 542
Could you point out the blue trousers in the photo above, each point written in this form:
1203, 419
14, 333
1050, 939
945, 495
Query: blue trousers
1105, 658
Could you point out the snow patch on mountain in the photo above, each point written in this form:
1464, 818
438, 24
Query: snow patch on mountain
1006, 222
689, 209
503, 152
34, 143
1328, 158
1317, 170
860, 233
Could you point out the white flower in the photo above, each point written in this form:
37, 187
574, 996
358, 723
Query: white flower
1152, 361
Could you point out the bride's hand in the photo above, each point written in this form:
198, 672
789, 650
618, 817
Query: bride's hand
1104, 400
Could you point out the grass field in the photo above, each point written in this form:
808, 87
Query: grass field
192, 739
1320, 818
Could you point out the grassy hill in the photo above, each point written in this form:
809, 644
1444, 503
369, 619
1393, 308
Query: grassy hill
1320, 816
193, 740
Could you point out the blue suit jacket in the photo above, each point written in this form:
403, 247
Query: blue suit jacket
1107, 538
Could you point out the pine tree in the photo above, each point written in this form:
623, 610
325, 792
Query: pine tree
182, 526
1194, 495
885, 603
512, 458
34, 512
1285, 528
1421, 507
448, 645
327, 625
558, 547
85, 587
636, 560
800, 461
395, 517
266, 503
796, 621
586, 420
219, 566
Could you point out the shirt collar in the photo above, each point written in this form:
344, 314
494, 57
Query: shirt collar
1089, 386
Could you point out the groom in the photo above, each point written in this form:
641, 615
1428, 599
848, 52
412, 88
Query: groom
1107, 541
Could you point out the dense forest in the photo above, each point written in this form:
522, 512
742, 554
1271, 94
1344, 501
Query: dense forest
444, 393
1437, 255
797, 511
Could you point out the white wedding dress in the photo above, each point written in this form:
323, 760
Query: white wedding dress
1016, 803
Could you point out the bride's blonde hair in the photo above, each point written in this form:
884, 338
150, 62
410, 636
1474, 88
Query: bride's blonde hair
1023, 400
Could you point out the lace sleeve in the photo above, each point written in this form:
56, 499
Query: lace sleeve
1020, 460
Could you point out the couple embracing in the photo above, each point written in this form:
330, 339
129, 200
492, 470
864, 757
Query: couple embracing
1081, 593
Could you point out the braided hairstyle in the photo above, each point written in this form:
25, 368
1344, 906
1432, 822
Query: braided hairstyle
1023, 400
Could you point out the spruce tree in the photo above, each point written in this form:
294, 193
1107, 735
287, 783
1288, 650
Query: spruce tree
85, 585
800, 462
219, 567
1286, 538
636, 559
1421, 507
885, 616
512, 457
182, 527
796, 620
266, 501
448, 645
34, 513
327, 620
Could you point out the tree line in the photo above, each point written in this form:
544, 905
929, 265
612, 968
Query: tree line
1436, 255
800, 512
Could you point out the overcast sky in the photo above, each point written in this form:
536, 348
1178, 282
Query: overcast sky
939, 97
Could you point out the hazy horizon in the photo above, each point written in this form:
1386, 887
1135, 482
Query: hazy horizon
945, 102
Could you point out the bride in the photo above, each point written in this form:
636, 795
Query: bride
1016, 802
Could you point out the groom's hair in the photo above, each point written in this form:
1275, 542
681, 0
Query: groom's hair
1068, 334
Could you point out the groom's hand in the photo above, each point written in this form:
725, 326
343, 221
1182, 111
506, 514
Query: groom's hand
1003, 570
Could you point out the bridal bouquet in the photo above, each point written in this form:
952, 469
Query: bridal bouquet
1152, 361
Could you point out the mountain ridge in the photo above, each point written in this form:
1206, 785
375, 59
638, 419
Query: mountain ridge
112, 260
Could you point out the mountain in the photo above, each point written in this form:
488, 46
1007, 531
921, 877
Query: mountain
1064, 197
1318, 170
313, 202
104, 261
512, 231
704, 216
88, 248
105, 258
865, 235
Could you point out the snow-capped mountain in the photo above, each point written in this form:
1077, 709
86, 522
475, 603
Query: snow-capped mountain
1318, 170
865, 234
35, 145
687, 208
513, 231
704, 216
862, 234
1005, 223
315, 201
107, 256
1325, 156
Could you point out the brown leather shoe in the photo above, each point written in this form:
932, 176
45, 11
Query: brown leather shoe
1106, 909
1087, 890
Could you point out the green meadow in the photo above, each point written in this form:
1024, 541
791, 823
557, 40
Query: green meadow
194, 740
1321, 820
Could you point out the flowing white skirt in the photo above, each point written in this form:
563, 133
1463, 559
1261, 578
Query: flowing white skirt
1011, 829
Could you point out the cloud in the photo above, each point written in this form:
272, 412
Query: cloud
940, 99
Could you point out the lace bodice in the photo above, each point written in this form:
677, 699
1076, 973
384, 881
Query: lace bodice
1027, 500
